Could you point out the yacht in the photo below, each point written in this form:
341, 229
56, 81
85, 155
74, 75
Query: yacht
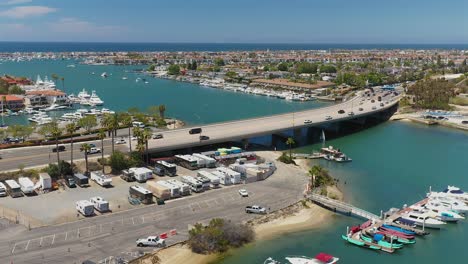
448, 203
454, 192
104, 75
124, 78
95, 100
424, 219
107, 111
83, 95
444, 214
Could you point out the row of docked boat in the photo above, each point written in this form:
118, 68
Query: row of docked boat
84, 98
399, 227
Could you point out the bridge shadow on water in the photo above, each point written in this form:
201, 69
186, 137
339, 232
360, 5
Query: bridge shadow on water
302, 135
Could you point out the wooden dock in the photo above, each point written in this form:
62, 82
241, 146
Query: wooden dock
308, 156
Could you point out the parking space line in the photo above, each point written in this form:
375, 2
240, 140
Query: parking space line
53, 240
27, 245
133, 221
66, 236
40, 242
13, 250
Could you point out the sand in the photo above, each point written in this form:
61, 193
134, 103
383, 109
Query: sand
181, 253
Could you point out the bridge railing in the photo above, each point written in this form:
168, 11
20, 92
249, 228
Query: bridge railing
336, 203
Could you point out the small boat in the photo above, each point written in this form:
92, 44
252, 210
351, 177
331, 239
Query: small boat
381, 240
399, 229
124, 78
320, 258
343, 158
423, 219
359, 242
104, 75
71, 66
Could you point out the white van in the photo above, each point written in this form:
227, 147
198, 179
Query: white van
3, 190
100, 204
138, 124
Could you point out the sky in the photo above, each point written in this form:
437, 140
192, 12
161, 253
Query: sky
238, 21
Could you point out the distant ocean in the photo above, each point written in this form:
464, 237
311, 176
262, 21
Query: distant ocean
102, 46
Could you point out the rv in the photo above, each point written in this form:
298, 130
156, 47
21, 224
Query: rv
145, 196
174, 189
187, 161
81, 180
101, 179
159, 171
100, 204
26, 185
234, 176
223, 178
45, 181
169, 168
205, 182
184, 188
209, 162
127, 176
85, 207
141, 174
158, 190
13, 188
214, 181
195, 185
3, 190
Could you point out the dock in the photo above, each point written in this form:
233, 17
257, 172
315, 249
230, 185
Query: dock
308, 156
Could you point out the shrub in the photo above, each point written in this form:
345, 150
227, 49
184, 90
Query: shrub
285, 158
118, 161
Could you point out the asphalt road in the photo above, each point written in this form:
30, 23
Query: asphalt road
114, 234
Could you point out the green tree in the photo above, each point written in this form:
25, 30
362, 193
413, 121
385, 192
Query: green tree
15, 89
70, 129
231, 74
432, 93
54, 77
219, 62
320, 176
290, 142
102, 135
85, 148
326, 68
152, 67
283, 67
174, 69
111, 123
88, 123
194, 65
306, 67
118, 161
126, 121
63, 82
162, 110
54, 131
20, 131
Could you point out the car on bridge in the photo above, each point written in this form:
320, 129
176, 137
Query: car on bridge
94, 151
351, 113
307, 121
361, 109
120, 141
158, 136
381, 104
341, 111
328, 118
204, 137
58, 149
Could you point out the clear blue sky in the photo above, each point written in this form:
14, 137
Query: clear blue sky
242, 21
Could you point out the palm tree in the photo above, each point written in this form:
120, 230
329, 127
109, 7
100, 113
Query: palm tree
70, 129
111, 123
86, 148
138, 133
146, 135
101, 136
63, 82
162, 109
54, 77
290, 142
126, 121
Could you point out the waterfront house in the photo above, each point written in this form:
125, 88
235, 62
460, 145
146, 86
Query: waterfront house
12, 102
50, 96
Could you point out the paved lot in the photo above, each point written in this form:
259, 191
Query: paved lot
114, 234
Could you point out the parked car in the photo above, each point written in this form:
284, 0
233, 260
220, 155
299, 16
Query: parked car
373, 108
157, 136
94, 151
120, 141
351, 113
92, 145
197, 130
307, 121
255, 209
70, 182
243, 193
204, 137
361, 109
58, 149
151, 241
372, 101
341, 111
381, 104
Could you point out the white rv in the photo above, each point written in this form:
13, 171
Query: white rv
13, 188
100, 204
3, 190
209, 162
195, 185
45, 181
26, 185
85, 207
101, 179
234, 176
141, 174
214, 181
223, 178
184, 188
174, 189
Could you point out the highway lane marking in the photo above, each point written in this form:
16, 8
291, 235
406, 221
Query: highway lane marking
27, 245
13, 250
53, 240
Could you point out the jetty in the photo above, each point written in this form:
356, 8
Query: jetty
308, 156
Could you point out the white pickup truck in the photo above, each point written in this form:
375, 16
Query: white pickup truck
255, 209
151, 241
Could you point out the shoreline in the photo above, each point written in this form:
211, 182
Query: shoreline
300, 216
408, 118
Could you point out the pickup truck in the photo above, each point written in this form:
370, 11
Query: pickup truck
255, 209
94, 151
151, 241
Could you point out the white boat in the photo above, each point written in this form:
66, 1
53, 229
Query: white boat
454, 192
104, 75
107, 111
343, 158
423, 219
95, 100
443, 213
124, 78
321, 258
449, 203
71, 66
83, 95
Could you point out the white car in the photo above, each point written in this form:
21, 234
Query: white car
94, 151
243, 193
307, 121
151, 241
351, 113
120, 141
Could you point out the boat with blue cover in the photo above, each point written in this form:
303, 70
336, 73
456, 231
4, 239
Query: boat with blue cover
380, 239
399, 229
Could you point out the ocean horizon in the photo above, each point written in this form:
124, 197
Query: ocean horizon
23, 46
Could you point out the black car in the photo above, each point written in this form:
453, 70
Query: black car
341, 111
70, 182
204, 137
195, 130
59, 149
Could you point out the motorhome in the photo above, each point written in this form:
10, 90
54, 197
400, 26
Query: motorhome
184, 188
81, 180
26, 185
209, 162
142, 194
85, 207
187, 161
141, 174
195, 185
13, 188
158, 190
174, 189
101, 179
45, 180
100, 204
169, 168
3, 190
214, 181
223, 178
127, 176
234, 176
206, 183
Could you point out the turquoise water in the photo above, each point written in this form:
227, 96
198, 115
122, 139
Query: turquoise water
393, 164
189, 102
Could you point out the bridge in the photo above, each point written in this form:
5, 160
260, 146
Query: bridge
336, 205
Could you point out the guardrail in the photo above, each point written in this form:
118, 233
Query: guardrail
339, 205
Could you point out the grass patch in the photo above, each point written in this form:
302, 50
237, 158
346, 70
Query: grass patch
459, 101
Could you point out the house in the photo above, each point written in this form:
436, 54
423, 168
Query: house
51, 96
12, 102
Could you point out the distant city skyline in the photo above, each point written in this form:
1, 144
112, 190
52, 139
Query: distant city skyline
241, 21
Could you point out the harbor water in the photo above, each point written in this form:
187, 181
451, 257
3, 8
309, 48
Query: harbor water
189, 102
393, 164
